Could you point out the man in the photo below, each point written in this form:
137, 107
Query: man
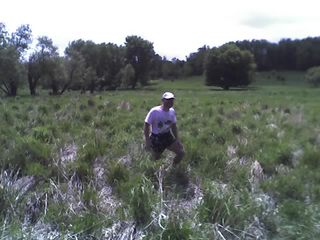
160, 129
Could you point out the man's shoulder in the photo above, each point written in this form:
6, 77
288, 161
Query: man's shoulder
172, 110
156, 108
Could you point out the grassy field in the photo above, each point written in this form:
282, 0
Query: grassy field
74, 166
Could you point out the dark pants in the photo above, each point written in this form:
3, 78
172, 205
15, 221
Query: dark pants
159, 142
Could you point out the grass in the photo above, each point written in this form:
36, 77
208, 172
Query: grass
108, 177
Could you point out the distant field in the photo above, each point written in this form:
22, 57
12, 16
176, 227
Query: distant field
250, 170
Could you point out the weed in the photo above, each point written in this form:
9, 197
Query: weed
142, 201
311, 159
86, 223
228, 208
175, 229
286, 187
28, 150
117, 173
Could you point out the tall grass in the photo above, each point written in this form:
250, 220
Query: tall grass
107, 177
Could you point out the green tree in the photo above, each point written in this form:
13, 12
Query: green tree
40, 65
196, 61
156, 68
111, 61
34, 71
52, 71
172, 69
313, 76
12, 48
75, 68
126, 76
139, 53
229, 66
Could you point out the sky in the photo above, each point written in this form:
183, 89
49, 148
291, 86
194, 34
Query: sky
175, 27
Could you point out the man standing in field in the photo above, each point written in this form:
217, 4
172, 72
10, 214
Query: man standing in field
160, 129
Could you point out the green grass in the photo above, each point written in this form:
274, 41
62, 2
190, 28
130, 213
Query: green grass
269, 122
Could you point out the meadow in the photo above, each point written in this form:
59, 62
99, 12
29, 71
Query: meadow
74, 166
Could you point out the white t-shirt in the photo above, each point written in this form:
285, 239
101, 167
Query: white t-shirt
160, 121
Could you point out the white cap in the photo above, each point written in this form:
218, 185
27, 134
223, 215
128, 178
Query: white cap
167, 95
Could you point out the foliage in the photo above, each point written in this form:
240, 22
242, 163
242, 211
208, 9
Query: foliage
196, 61
287, 54
127, 76
228, 66
12, 48
313, 76
139, 53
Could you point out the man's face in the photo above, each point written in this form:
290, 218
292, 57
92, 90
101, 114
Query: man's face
168, 102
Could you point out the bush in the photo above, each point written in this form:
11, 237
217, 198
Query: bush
313, 76
229, 66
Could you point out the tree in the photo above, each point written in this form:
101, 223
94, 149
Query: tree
75, 68
34, 72
139, 53
195, 61
313, 76
12, 48
229, 66
172, 69
39, 63
126, 76
52, 66
111, 59
156, 67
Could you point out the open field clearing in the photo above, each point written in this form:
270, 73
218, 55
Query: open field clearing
74, 166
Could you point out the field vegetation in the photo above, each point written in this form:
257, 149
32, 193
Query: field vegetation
74, 166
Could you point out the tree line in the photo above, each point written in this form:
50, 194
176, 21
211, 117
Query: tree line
87, 66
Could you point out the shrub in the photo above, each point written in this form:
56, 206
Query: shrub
229, 66
313, 76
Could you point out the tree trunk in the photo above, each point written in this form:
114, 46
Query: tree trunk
32, 85
55, 89
13, 89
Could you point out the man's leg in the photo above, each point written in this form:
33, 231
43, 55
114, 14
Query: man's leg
178, 149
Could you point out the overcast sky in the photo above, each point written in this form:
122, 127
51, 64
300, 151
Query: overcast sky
175, 27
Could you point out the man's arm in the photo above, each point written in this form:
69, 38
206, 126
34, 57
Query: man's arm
174, 130
146, 131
